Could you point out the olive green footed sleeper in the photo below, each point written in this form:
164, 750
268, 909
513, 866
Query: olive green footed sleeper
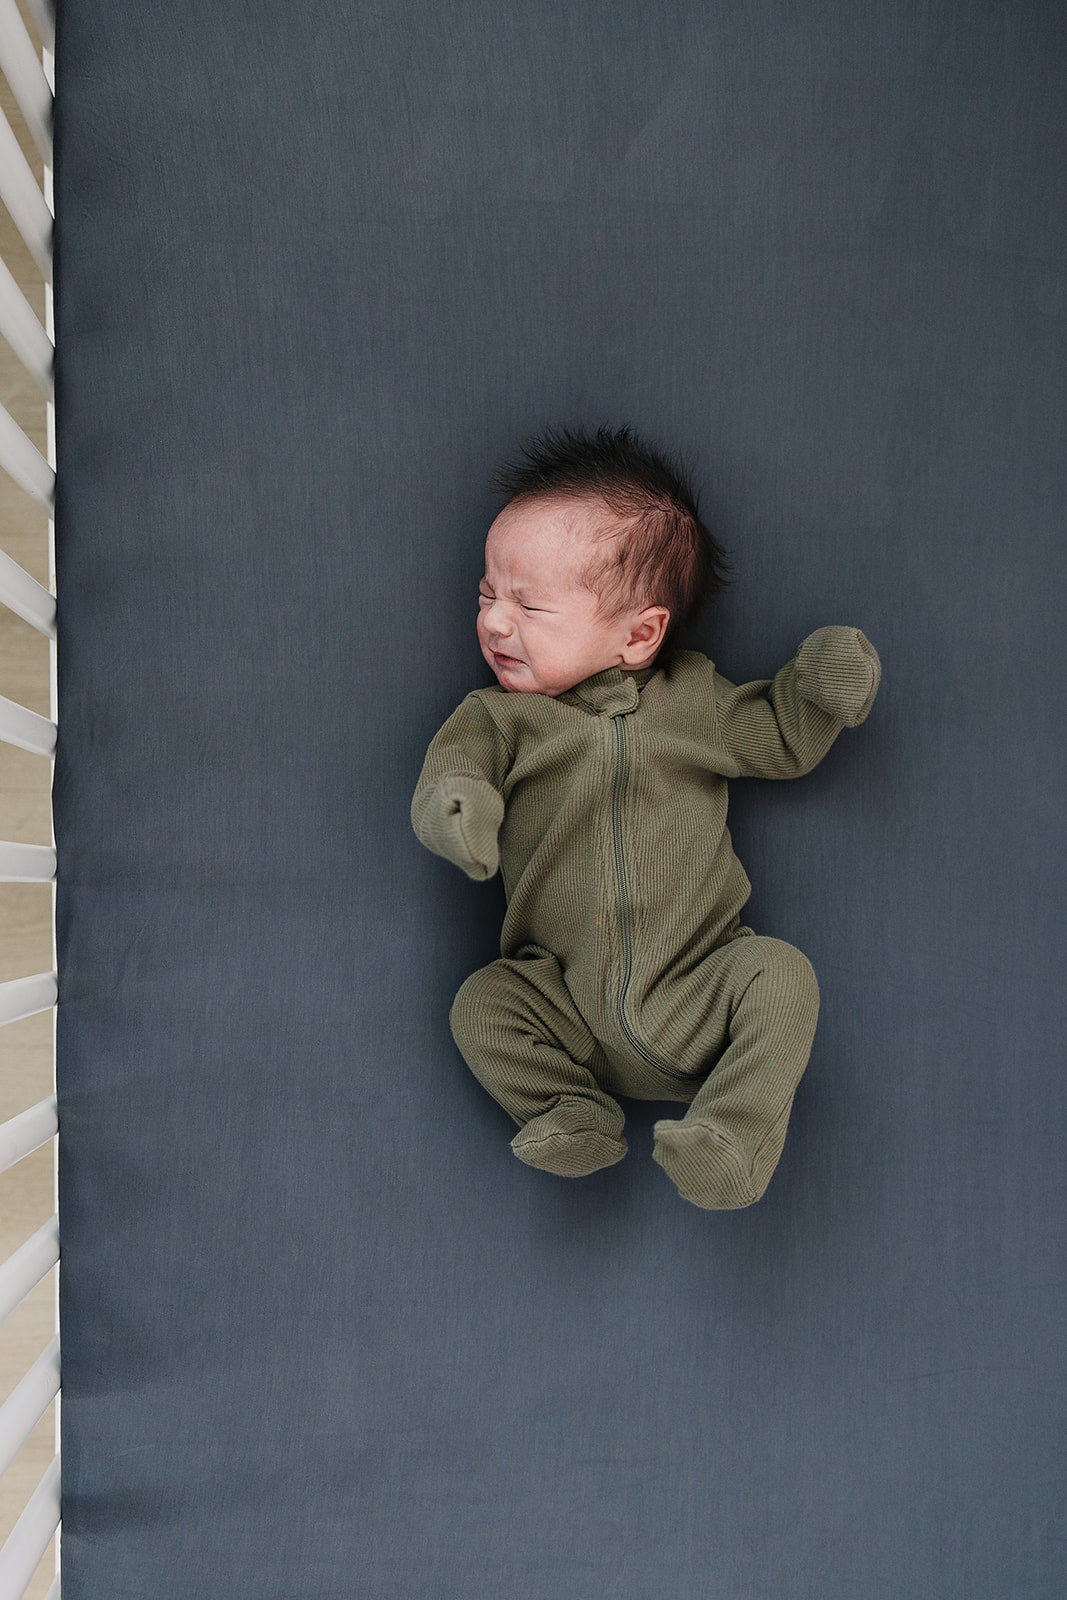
624, 966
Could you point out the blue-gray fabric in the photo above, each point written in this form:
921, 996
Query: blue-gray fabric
318, 266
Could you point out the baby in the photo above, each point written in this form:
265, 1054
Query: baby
594, 773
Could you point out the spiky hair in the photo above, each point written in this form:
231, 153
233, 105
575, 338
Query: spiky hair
654, 548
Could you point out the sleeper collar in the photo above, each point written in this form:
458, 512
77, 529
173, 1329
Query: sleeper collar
611, 692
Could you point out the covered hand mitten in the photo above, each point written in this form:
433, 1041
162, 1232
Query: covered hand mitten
459, 818
838, 669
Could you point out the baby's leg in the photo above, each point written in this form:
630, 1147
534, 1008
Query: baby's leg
522, 1037
765, 1000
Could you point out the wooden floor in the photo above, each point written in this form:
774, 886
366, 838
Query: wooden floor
26, 1061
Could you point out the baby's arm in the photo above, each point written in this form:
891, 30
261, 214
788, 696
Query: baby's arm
781, 727
457, 807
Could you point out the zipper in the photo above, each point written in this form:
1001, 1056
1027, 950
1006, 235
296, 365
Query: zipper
624, 910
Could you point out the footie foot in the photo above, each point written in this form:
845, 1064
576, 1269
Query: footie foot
554, 1143
705, 1165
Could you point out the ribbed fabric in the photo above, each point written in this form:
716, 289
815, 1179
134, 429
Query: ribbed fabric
622, 970
764, 1004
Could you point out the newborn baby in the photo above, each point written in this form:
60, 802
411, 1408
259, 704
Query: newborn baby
594, 773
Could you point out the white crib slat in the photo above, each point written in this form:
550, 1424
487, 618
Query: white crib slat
24, 1270
43, 13
29, 206
21, 194
31, 1535
27, 1404
22, 329
23, 71
24, 997
26, 1132
26, 863
26, 729
20, 457
26, 597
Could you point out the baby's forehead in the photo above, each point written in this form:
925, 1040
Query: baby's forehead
572, 515
547, 540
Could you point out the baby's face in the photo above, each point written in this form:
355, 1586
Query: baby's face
539, 631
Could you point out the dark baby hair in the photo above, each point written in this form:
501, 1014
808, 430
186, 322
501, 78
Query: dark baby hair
662, 554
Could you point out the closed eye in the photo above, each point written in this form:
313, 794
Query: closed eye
483, 596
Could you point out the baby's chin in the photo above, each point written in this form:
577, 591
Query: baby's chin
518, 677
515, 676
511, 673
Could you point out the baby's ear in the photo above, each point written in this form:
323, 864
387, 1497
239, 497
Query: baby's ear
648, 630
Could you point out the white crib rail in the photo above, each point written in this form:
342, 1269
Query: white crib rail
26, 863
27, 1403
22, 460
24, 1270
26, 597
29, 74
27, 1132
24, 72
24, 997
29, 1539
24, 200
26, 729
44, 20
23, 332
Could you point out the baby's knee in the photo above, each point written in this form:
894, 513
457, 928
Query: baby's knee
787, 967
798, 975
473, 1006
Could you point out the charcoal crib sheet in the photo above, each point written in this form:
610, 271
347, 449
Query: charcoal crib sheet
317, 267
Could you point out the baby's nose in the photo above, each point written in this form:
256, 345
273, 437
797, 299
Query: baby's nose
496, 620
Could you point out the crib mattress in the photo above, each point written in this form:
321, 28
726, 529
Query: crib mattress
318, 267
